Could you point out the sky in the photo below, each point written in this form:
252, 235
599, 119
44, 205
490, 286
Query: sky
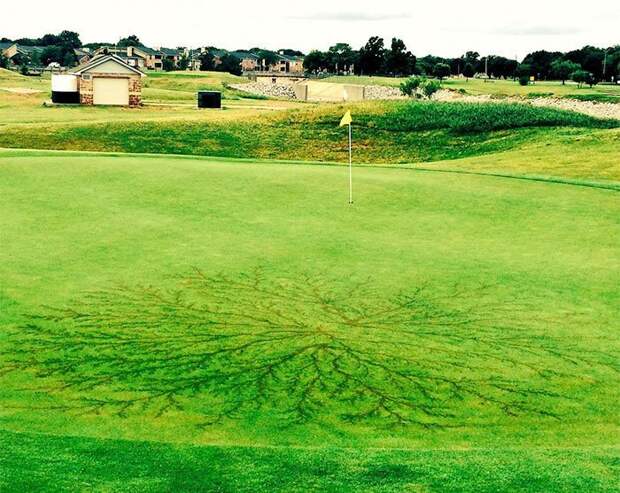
444, 28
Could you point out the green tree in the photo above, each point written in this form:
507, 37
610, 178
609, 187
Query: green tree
35, 58
230, 63
290, 52
183, 62
69, 59
45, 40
4, 61
441, 70
207, 61
52, 54
472, 57
21, 59
500, 66
372, 56
582, 77
167, 65
70, 39
131, 40
315, 61
562, 69
398, 60
540, 63
339, 57
469, 70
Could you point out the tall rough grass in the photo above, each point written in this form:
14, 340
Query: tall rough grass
476, 118
388, 132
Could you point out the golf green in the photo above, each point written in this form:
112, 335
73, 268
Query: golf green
446, 332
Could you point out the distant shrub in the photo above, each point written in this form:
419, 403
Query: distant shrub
582, 77
524, 80
441, 70
430, 87
168, 65
562, 69
469, 71
534, 95
411, 85
419, 86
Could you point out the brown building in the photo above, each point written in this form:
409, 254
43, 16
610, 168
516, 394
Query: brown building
109, 80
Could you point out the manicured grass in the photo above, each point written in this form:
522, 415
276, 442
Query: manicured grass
367, 80
199, 302
41, 463
174, 86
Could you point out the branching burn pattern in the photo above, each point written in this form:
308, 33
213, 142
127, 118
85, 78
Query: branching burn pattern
229, 345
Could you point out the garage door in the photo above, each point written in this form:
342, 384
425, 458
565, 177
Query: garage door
110, 91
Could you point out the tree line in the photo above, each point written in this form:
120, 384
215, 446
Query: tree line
589, 64
375, 58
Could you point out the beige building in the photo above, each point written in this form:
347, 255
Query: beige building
109, 80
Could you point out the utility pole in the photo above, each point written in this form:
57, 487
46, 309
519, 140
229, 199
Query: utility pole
486, 66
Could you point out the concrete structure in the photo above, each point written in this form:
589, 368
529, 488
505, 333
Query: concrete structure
109, 80
325, 91
279, 79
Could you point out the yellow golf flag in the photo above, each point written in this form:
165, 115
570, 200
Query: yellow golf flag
346, 119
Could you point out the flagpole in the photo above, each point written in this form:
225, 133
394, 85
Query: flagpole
350, 167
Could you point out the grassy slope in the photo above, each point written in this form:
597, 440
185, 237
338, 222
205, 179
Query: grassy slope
502, 87
384, 133
71, 225
588, 156
182, 86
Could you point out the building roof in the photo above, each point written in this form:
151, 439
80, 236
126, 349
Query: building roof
169, 51
245, 55
146, 50
290, 58
29, 49
100, 59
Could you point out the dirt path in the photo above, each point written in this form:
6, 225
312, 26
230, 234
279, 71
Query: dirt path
20, 90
